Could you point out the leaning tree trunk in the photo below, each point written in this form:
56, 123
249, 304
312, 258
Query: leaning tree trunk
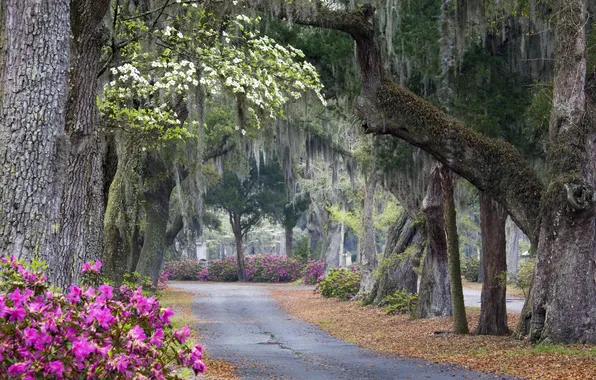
460, 321
434, 297
236, 228
493, 312
368, 249
405, 244
34, 46
564, 289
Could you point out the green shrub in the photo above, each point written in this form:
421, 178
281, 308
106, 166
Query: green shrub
470, 268
401, 302
525, 275
341, 283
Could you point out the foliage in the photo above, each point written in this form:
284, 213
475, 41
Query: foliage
301, 250
135, 279
470, 268
341, 283
88, 331
313, 272
525, 275
272, 268
401, 302
184, 270
223, 270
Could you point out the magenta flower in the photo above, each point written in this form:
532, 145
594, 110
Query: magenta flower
106, 292
81, 348
157, 338
165, 316
74, 295
16, 314
88, 267
182, 335
137, 333
17, 369
55, 368
30, 335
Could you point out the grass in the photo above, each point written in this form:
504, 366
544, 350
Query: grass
372, 328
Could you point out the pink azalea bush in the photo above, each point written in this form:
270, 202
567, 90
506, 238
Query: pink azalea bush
313, 271
183, 270
86, 332
272, 268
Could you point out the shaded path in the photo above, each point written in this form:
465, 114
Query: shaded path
242, 324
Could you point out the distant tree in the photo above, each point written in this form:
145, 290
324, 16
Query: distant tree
248, 200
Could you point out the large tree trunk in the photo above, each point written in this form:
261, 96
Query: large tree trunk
236, 228
405, 244
564, 290
460, 321
368, 249
81, 212
121, 220
34, 46
493, 313
159, 183
434, 297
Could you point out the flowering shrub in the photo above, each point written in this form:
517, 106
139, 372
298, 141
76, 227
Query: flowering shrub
272, 268
401, 302
224, 270
93, 332
341, 283
313, 271
184, 270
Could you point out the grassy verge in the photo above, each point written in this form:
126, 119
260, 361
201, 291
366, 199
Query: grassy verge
181, 302
371, 328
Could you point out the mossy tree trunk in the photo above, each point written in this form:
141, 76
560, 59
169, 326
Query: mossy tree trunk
289, 239
564, 289
404, 248
434, 297
159, 183
460, 321
367, 246
493, 313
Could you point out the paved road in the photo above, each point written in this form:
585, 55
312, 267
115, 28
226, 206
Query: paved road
242, 324
472, 298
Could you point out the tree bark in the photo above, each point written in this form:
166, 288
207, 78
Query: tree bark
367, 246
82, 211
405, 244
289, 240
460, 321
236, 228
493, 312
564, 287
434, 298
34, 47
513, 234
121, 219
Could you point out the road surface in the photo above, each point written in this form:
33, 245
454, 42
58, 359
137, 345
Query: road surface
243, 325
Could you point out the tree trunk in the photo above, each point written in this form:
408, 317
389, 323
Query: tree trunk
460, 321
81, 212
158, 182
405, 244
34, 46
368, 249
332, 245
513, 234
289, 235
236, 228
480, 267
493, 313
121, 219
434, 298
564, 290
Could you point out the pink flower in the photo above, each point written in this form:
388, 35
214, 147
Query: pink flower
88, 267
137, 333
30, 335
18, 298
81, 348
55, 368
157, 338
182, 335
165, 316
106, 292
17, 369
16, 314
198, 366
74, 295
